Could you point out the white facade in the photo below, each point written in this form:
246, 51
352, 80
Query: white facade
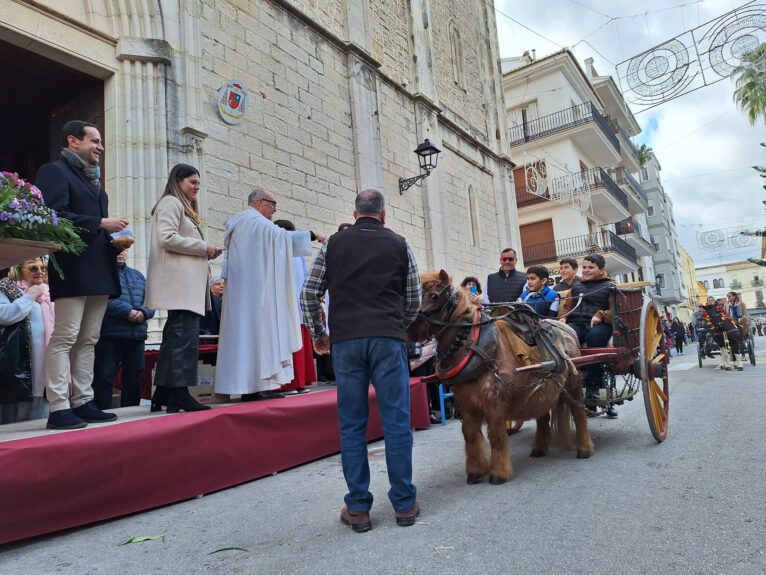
574, 189
668, 266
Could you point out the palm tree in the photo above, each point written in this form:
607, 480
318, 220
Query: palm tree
750, 94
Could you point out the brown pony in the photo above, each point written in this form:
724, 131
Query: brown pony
493, 398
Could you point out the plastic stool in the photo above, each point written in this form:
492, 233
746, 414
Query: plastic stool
442, 397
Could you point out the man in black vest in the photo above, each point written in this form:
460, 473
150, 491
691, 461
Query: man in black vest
72, 187
374, 288
508, 283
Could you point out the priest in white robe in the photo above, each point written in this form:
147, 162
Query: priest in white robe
260, 322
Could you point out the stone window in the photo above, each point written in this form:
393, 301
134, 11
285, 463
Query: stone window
456, 49
473, 209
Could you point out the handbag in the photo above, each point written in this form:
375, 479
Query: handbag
15, 368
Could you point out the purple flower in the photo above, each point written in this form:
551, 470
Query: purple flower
24, 203
14, 205
54, 218
4, 216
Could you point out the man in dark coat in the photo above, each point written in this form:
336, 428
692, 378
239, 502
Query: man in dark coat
123, 333
72, 187
506, 284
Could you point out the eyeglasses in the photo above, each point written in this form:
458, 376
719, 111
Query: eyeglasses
507, 259
35, 269
272, 202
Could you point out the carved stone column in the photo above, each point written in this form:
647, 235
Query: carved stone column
434, 190
365, 122
141, 139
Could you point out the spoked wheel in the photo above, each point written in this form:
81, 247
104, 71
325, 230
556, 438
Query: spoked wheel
699, 352
654, 371
513, 425
751, 350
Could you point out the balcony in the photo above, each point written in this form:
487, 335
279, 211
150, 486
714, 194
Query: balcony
619, 255
582, 123
631, 232
638, 201
608, 200
588, 189
628, 149
756, 283
736, 285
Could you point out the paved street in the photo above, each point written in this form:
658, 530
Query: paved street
693, 504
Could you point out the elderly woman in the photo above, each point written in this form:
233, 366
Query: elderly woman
24, 298
177, 281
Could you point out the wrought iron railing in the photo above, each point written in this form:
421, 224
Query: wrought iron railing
597, 178
757, 283
631, 226
560, 121
617, 129
602, 241
736, 285
623, 177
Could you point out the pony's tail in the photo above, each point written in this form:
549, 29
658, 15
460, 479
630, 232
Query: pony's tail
561, 425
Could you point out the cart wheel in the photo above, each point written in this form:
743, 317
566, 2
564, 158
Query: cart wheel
654, 371
699, 352
751, 350
513, 425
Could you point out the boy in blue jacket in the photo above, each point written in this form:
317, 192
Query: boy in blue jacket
546, 301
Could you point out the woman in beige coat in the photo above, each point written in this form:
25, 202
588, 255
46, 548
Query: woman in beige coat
177, 281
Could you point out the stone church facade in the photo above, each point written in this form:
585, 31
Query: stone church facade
340, 94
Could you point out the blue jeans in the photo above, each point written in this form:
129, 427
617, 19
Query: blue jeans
384, 361
596, 336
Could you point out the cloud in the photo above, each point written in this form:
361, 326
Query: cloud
705, 145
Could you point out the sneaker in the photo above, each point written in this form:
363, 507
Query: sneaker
359, 521
611, 412
591, 410
65, 419
92, 414
302, 390
408, 517
290, 392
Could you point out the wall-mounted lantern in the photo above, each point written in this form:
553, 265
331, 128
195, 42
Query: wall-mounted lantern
428, 155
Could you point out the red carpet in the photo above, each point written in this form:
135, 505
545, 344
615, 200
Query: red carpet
74, 478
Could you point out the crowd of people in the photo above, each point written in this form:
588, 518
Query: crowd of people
273, 315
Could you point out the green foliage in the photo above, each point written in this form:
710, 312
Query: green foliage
644, 153
750, 95
24, 215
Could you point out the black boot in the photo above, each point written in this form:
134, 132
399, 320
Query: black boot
159, 398
179, 398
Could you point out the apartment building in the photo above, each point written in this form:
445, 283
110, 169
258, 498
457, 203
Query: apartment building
670, 289
570, 136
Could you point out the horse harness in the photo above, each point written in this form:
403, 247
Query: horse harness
480, 351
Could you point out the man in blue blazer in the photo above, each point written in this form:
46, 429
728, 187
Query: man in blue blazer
72, 187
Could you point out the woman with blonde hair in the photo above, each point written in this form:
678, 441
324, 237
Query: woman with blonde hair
177, 281
24, 297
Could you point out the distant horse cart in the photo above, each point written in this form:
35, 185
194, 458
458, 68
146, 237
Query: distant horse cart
512, 366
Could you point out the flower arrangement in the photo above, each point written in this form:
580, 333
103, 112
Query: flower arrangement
24, 215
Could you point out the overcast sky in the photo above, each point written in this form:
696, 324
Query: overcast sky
705, 145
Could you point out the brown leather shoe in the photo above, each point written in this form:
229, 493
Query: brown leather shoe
408, 517
359, 521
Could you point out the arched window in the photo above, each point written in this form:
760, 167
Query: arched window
456, 50
473, 209
721, 283
704, 283
715, 284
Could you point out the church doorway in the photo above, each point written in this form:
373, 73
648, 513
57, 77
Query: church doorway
39, 96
